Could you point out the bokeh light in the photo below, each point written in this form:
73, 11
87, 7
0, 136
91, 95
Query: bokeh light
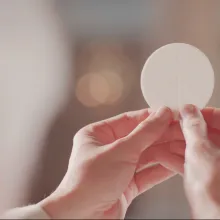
99, 88
105, 73
94, 89
82, 92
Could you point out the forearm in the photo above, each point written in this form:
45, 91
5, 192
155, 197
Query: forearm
27, 212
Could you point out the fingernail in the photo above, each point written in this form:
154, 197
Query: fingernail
188, 110
164, 113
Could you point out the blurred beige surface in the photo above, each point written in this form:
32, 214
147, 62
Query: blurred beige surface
41, 111
35, 82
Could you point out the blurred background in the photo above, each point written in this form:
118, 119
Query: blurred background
64, 64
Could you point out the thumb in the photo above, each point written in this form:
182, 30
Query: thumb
148, 131
195, 133
200, 151
201, 173
193, 125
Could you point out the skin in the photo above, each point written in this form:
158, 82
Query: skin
202, 162
111, 162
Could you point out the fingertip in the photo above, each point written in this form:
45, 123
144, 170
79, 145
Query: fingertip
193, 124
164, 113
188, 110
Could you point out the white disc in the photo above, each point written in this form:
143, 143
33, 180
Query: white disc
177, 74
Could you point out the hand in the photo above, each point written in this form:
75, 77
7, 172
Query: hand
202, 161
106, 168
212, 118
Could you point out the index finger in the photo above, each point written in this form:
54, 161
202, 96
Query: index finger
123, 124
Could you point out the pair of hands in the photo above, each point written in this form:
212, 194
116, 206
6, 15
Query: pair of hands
115, 160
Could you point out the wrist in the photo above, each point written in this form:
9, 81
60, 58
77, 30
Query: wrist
203, 205
71, 205
58, 205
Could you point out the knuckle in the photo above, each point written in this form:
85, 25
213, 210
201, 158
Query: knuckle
126, 116
78, 135
81, 134
202, 144
195, 123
